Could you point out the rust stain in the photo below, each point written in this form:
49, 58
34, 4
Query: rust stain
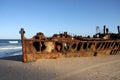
65, 45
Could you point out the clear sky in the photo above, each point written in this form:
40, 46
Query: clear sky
78, 17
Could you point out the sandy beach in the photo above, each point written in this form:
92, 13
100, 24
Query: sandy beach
77, 68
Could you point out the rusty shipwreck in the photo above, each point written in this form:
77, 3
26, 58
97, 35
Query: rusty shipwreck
65, 45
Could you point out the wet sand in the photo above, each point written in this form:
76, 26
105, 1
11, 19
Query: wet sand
106, 67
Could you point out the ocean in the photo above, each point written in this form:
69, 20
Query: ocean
10, 47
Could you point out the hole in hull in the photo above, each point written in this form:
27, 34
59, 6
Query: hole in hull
66, 46
36, 45
74, 46
85, 45
79, 46
43, 47
58, 46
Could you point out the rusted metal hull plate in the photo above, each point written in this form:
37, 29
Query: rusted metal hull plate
63, 45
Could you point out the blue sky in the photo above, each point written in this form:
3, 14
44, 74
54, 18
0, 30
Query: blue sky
78, 17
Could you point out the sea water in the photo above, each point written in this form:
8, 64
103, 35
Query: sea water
10, 47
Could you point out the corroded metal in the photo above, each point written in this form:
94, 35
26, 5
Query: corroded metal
65, 45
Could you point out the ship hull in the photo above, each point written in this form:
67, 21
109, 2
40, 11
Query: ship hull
42, 48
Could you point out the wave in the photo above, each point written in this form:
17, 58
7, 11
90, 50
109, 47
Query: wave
10, 47
13, 42
10, 53
10, 41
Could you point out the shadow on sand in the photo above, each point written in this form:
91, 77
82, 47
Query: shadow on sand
13, 58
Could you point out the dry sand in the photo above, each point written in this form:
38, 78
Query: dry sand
82, 68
